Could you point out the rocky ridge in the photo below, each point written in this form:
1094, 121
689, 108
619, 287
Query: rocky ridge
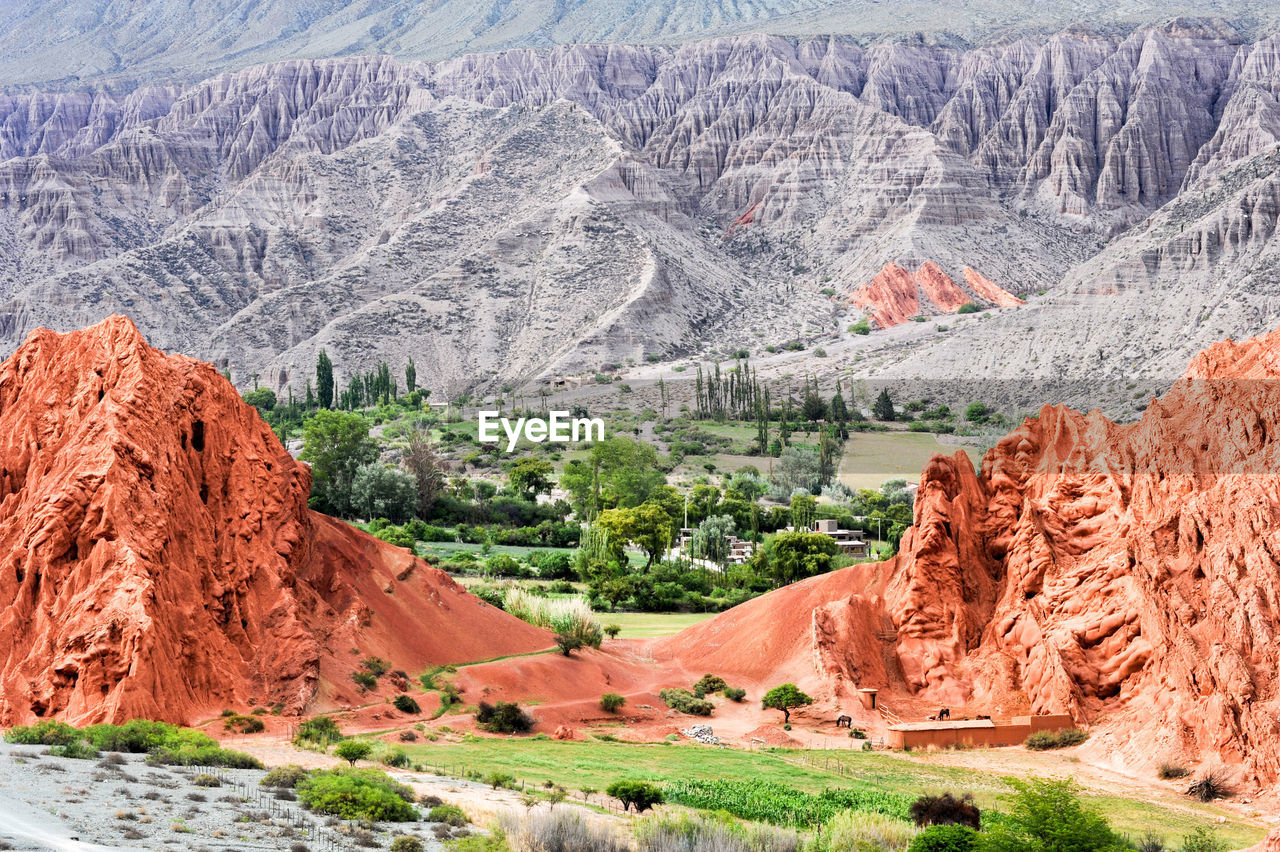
64, 42
1126, 574
160, 561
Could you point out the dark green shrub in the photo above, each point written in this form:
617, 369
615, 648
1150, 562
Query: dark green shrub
204, 779
709, 684
137, 736
504, 718
969, 308
366, 680
406, 704
685, 701
202, 755
1203, 840
449, 815
735, 693
376, 666
78, 750
946, 810
610, 702
1045, 740
318, 730
396, 758
48, 732
284, 777
406, 843
640, 795
944, 838
1041, 814
357, 794
567, 644
244, 724
500, 780
612, 630
353, 750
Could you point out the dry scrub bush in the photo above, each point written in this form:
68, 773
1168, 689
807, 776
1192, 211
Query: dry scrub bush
865, 831
698, 834
558, 831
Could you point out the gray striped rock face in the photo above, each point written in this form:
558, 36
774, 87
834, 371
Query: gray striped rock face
512, 215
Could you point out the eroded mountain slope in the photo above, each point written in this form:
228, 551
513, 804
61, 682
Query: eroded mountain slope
520, 214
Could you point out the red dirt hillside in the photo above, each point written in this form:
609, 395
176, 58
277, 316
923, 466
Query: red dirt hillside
1126, 574
158, 559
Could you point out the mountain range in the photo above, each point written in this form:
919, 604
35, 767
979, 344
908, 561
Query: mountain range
65, 42
511, 216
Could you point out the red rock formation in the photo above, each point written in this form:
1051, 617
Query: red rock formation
938, 288
1126, 574
892, 297
897, 294
158, 559
992, 292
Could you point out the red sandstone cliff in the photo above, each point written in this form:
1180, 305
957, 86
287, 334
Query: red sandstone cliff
158, 559
1126, 574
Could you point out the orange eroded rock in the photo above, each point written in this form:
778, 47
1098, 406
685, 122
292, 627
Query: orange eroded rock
992, 292
158, 559
897, 294
892, 296
936, 286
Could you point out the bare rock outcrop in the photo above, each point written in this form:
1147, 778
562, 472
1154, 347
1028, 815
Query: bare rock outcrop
159, 559
896, 294
1126, 574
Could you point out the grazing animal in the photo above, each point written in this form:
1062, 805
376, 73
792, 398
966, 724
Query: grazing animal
844, 722
944, 713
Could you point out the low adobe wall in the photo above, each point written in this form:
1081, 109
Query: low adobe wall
975, 733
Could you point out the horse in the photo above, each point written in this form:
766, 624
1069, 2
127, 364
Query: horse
944, 713
844, 722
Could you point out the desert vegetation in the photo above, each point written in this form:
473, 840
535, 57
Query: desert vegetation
164, 744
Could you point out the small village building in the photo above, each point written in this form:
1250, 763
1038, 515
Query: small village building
850, 542
974, 733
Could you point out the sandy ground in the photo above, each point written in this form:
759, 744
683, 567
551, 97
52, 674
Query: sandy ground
52, 803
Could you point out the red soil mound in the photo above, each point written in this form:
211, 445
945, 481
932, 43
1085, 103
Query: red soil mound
770, 735
1126, 574
158, 559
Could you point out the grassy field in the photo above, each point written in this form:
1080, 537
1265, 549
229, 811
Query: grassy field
646, 625
576, 765
872, 458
